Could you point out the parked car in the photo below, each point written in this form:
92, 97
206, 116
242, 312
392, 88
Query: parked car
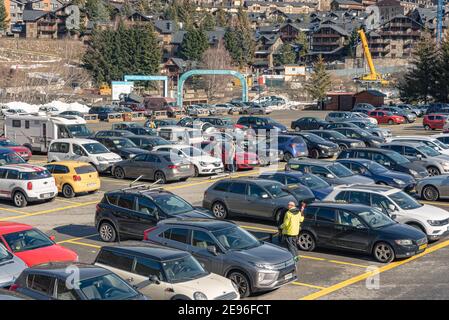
317, 146
261, 125
435, 162
408, 116
428, 141
383, 116
101, 112
112, 133
8, 156
53, 111
371, 128
342, 116
129, 212
408, 107
363, 107
32, 246
358, 228
74, 177
162, 122
435, 121
173, 275
308, 123
433, 188
257, 109
388, 158
253, 265
244, 160
135, 128
148, 142
437, 107
71, 113
398, 205
289, 146
184, 135
10, 267
379, 173
333, 173
202, 162
292, 179
11, 295
362, 135
219, 123
364, 117
248, 197
83, 150
156, 166
338, 138
22, 151
49, 282
124, 147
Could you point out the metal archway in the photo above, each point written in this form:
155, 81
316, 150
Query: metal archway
190, 73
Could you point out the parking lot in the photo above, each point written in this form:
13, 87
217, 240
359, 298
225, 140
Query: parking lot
322, 274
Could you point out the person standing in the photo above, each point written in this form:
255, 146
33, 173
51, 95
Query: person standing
291, 227
152, 124
231, 158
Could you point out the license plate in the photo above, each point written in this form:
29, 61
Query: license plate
186, 166
422, 247
288, 276
218, 170
92, 184
46, 195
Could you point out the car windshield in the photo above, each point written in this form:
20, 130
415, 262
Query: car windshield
398, 158
183, 269
428, 151
404, 201
375, 167
376, 219
334, 134
95, 148
11, 157
363, 133
236, 238
313, 182
340, 170
8, 143
78, 130
172, 205
440, 144
123, 143
193, 152
275, 190
27, 240
313, 137
4, 254
106, 287
156, 141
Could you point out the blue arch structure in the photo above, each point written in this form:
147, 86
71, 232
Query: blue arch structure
149, 78
190, 73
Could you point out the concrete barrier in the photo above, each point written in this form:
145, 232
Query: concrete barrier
160, 114
137, 116
91, 118
114, 117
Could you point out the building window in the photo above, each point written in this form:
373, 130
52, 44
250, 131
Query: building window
16, 123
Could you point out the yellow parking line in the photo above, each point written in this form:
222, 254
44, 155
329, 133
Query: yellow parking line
312, 258
84, 244
307, 285
66, 201
78, 238
436, 203
366, 275
13, 210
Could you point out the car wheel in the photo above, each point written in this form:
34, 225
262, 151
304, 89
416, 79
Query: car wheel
297, 129
343, 147
242, 283
219, 210
314, 154
383, 252
119, 173
68, 191
427, 127
306, 241
320, 128
430, 193
277, 216
196, 172
107, 232
433, 171
19, 199
159, 175
390, 122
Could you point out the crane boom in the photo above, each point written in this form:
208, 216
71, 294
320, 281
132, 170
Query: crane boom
368, 57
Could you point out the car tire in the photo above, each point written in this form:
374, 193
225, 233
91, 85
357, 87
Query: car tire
242, 282
314, 154
159, 175
107, 232
196, 172
383, 252
306, 241
219, 210
430, 193
277, 216
287, 156
427, 127
320, 128
19, 199
297, 129
433, 171
67, 191
390, 122
119, 173
343, 147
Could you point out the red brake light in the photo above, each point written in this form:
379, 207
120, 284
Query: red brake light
13, 287
172, 166
30, 186
76, 178
147, 232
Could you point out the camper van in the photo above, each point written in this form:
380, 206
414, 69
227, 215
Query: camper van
36, 131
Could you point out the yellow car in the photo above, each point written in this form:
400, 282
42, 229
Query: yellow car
74, 177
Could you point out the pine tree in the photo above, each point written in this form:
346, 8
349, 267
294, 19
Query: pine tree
441, 85
302, 43
286, 55
239, 41
194, 44
208, 22
97, 11
3, 16
319, 82
352, 43
221, 17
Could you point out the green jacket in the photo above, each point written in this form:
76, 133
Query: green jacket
292, 222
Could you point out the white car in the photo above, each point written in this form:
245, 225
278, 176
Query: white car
433, 221
11, 267
50, 110
362, 115
24, 183
83, 150
432, 142
177, 134
203, 162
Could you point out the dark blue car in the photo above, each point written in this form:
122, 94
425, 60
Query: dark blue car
8, 156
261, 123
102, 112
318, 186
292, 147
379, 173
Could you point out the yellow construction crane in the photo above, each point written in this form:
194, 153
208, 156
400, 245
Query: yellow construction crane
373, 76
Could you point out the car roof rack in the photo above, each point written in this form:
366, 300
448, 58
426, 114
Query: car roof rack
143, 187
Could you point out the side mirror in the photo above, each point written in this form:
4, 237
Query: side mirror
387, 164
330, 176
419, 156
154, 279
156, 215
265, 196
393, 216
392, 207
213, 250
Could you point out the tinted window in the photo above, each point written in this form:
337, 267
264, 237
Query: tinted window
378, 201
112, 198
116, 260
145, 206
255, 191
12, 174
348, 219
201, 239
238, 188
148, 267
40, 283
16, 123
126, 201
85, 169
3, 173
309, 212
326, 215
178, 234
359, 197
222, 186
140, 157
58, 169
342, 196
396, 148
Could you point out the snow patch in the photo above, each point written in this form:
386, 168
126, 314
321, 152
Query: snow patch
61, 106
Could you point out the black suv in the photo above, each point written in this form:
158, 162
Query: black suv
336, 137
361, 135
359, 228
308, 123
124, 147
261, 123
130, 211
388, 158
148, 142
317, 146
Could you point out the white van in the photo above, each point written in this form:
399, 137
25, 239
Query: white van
182, 135
84, 150
36, 131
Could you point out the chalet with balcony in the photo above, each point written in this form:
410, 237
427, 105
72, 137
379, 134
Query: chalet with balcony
266, 48
329, 41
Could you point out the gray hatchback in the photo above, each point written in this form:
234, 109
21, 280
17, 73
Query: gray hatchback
261, 198
226, 249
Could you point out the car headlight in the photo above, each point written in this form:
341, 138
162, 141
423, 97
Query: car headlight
203, 164
436, 223
406, 242
397, 181
323, 146
263, 266
445, 164
267, 277
376, 142
355, 144
199, 296
413, 172
131, 155
100, 158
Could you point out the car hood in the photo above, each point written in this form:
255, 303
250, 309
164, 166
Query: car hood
207, 159
400, 231
54, 253
415, 166
132, 150
19, 149
396, 175
266, 253
108, 156
194, 214
356, 179
10, 270
430, 212
348, 140
211, 285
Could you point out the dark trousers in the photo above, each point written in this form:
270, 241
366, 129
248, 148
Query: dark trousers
291, 244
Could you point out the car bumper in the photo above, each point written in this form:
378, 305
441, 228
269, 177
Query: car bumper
211, 169
285, 277
44, 195
328, 153
435, 233
175, 176
106, 165
86, 186
409, 251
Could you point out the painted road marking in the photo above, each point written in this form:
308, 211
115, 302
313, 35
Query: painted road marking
84, 244
78, 238
66, 201
307, 285
13, 210
366, 275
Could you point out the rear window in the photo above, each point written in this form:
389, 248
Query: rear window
222, 186
116, 260
85, 169
34, 175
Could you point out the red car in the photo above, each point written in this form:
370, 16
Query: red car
33, 246
434, 121
383, 116
243, 159
22, 151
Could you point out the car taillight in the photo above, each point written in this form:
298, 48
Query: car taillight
30, 186
147, 232
13, 287
97, 207
76, 178
172, 166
